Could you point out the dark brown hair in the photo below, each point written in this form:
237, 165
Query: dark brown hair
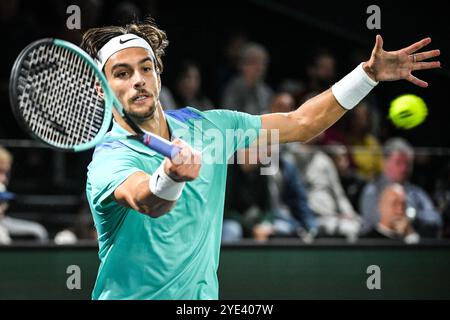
94, 39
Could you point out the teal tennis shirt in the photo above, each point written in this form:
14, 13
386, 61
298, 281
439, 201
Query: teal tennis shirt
175, 256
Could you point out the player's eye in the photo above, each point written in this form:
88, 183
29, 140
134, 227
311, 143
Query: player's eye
147, 69
121, 74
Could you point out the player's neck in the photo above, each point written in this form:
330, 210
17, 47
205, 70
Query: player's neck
158, 124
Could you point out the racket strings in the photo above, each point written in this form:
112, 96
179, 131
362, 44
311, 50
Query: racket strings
57, 97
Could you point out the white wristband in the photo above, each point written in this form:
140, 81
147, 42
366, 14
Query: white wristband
351, 89
162, 186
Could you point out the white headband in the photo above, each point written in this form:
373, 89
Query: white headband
119, 43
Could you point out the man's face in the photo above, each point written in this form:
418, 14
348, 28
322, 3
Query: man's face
190, 82
254, 67
132, 76
397, 167
325, 68
392, 206
283, 102
5, 169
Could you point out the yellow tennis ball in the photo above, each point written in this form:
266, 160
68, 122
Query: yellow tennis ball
407, 111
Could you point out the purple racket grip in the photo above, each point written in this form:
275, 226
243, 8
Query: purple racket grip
161, 145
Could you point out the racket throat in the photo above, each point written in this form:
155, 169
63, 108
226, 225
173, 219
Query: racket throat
132, 124
143, 138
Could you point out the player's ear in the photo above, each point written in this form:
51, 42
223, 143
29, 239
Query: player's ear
99, 89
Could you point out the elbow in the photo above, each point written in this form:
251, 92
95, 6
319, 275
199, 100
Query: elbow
152, 213
155, 214
155, 211
309, 131
306, 130
305, 138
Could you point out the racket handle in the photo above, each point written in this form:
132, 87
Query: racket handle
161, 145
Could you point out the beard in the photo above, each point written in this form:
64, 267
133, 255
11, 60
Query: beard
142, 113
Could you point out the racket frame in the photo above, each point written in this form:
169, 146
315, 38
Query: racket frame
110, 101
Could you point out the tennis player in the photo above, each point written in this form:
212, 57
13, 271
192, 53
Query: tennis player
159, 221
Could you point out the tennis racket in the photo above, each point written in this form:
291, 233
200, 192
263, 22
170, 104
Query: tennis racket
53, 96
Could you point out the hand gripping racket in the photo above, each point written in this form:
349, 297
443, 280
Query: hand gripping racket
53, 96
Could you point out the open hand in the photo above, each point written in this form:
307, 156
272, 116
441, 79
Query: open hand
396, 65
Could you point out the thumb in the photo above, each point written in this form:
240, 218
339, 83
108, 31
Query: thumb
378, 43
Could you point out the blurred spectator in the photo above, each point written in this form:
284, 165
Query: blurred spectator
442, 197
282, 102
188, 87
366, 156
394, 223
248, 92
397, 168
293, 216
294, 87
247, 211
321, 71
262, 206
13, 228
6, 161
166, 99
351, 181
289, 197
229, 67
326, 197
5, 196
82, 229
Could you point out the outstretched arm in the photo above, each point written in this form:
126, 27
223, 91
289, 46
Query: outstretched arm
322, 111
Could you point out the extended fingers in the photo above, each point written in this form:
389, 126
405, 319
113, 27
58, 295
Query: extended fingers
378, 43
417, 46
427, 55
417, 81
426, 65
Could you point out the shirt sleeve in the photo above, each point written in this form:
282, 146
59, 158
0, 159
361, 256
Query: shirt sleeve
243, 127
109, 169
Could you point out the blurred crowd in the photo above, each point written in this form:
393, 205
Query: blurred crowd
353, 181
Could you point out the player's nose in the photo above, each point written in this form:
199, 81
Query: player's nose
138, 80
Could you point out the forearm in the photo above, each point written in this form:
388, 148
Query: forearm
316, 115
322, 111
135, 193
156, 194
